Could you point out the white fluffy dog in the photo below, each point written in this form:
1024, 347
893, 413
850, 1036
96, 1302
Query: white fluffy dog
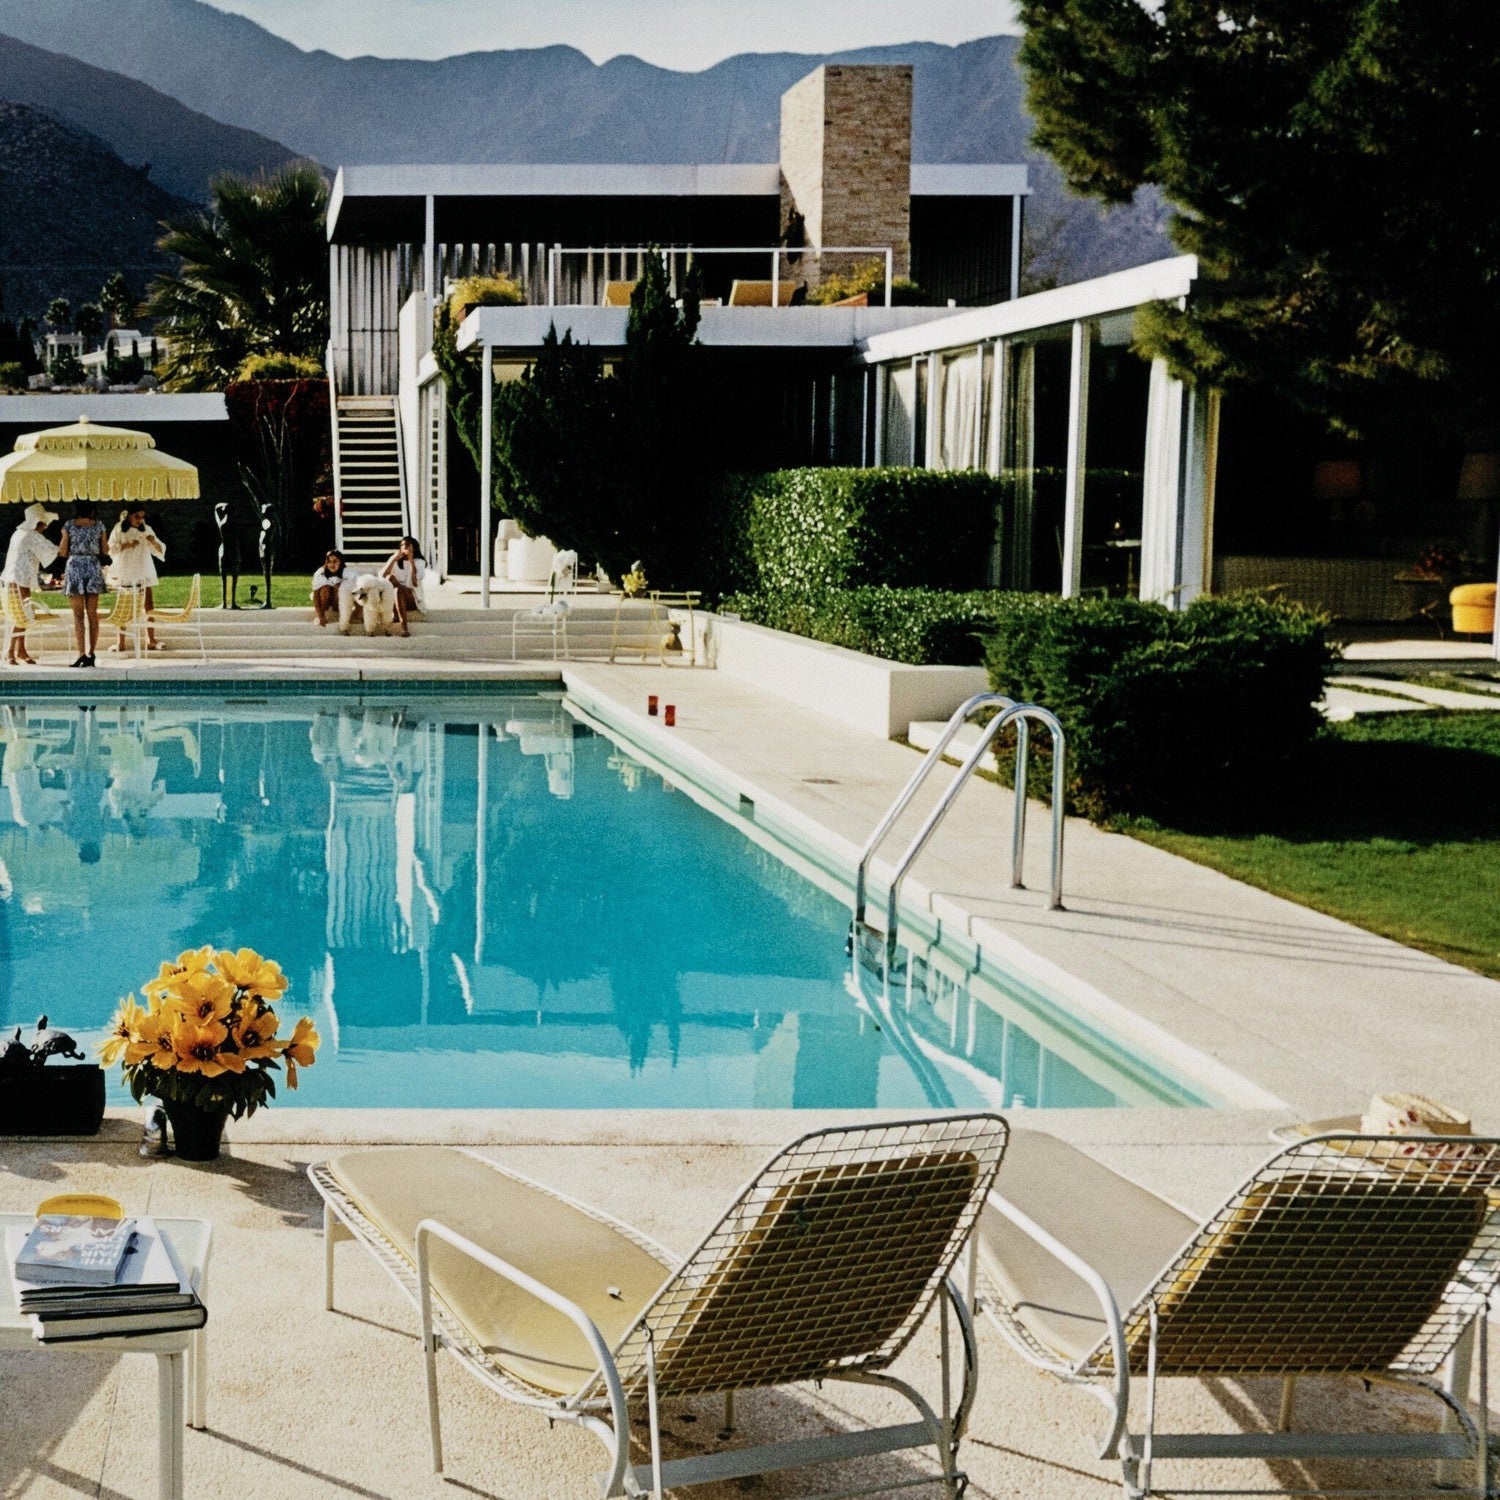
375, 598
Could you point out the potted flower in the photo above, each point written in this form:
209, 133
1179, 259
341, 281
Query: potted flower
205, 1043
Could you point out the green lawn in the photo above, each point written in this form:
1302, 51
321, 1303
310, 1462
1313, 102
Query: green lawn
287, 589
1394, 826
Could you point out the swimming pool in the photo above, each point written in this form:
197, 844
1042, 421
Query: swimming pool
486, 902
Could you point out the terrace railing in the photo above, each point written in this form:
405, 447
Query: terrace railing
578, 274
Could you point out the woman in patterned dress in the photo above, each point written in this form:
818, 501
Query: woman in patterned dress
83, 582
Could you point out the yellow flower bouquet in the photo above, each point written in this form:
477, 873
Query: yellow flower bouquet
207, 1036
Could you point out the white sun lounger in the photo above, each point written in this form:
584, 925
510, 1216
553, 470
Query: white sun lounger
1371, 1256
822, 1269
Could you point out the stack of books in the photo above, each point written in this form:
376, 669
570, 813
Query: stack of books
80, 1278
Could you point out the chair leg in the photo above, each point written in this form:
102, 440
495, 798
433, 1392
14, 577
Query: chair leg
1288, 1401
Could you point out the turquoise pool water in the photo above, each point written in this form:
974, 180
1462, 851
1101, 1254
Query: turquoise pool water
483, 902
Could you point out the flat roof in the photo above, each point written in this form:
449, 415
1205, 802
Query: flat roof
114, 408
521, 330
1156, 281
415, 182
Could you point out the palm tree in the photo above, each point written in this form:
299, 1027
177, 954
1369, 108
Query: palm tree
253, 278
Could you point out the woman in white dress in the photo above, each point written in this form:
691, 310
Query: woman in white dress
406, 569
135, 547
29, 552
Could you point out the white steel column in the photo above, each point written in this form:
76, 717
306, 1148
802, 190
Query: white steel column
486, 466
1017, 210
882, 377
933, 416
1077, 459
429, 255
976, 452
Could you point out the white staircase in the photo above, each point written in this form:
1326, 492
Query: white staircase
369, 480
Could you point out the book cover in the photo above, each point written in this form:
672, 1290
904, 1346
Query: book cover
75, 1251
149, 1276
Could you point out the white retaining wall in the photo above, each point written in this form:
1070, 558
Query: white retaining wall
865, 692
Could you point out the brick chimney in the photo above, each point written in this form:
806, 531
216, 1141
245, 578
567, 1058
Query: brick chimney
846, 162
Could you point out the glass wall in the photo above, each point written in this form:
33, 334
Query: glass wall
1035, 451
899, 445
1114, 458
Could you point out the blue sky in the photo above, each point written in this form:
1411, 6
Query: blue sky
674, 33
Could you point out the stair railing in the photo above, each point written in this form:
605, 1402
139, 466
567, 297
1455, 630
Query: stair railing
338, 471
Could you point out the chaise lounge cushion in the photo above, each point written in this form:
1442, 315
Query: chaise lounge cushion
1123, 1231
588, 1261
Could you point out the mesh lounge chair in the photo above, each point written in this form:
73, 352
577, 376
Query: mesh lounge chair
22, 615
188, 617
822, 1269
1372, 1256
762, 294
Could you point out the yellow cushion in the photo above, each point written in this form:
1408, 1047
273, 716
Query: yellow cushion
1482, 594
589, 1262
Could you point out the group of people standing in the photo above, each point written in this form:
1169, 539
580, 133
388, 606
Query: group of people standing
77, 561
404, 571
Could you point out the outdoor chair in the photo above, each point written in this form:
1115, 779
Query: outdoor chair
128, 616
188, 617
22, 615
1370, 1256
617, 294
823, 1268
762, 294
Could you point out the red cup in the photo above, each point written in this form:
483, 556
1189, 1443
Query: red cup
669, 715
651, 705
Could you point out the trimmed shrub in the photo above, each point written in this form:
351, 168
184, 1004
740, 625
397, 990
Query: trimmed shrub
12, 375
1166, 712
280, 367
806, 530
923, 627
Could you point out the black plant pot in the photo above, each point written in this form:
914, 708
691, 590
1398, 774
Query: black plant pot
197, 1134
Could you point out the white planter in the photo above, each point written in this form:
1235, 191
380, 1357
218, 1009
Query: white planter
529, 559
865, 692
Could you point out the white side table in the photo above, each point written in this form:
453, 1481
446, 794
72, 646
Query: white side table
181, 1358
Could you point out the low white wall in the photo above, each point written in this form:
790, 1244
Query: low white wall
864, 692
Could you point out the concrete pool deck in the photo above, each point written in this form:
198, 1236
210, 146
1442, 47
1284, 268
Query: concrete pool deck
1287, 1013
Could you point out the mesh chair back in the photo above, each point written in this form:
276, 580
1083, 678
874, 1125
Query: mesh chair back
828, 1261
15, 607
1343, 1254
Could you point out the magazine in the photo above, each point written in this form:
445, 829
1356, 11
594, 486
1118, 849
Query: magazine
75, 1251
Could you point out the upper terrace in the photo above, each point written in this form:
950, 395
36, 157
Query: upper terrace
844, 191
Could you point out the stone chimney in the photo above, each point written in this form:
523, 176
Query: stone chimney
846, 162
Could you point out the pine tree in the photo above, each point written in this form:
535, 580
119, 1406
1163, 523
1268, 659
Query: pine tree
1326, 164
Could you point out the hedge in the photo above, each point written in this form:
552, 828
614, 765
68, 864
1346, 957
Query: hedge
1167, 713
920, 626
807, 530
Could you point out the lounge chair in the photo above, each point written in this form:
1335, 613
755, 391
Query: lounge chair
762, 294
1371, 1256
22, 615
189, 616
823, 1268
128, 616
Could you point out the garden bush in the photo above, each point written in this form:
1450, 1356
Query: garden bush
807, 530
920, 626
1166, 712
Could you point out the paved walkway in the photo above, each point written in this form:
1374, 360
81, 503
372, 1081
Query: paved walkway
1302, 1008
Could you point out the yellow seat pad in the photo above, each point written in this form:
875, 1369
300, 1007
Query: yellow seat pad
589, 1262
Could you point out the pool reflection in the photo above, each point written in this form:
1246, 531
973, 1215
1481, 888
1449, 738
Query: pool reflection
483, 904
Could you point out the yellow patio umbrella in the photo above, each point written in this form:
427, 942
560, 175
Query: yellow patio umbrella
87, 462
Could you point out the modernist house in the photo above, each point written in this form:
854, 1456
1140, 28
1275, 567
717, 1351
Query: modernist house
1116, 479
761, 237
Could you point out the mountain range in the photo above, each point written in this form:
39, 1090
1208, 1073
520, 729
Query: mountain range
191, 89
73, 213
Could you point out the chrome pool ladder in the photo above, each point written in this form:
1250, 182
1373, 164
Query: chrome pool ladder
1022, 715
